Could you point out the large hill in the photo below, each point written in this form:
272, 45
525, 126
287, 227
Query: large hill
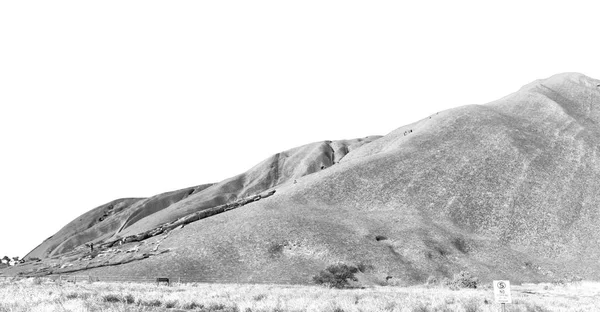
509, 189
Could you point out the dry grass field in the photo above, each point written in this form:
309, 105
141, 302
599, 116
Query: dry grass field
44, 295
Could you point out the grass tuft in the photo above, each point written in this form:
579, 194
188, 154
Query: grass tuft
535, 308
192, 306
472, 305
421, 307
151, 303
259, 297
170, 304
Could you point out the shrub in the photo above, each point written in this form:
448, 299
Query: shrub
275, 249
219, 307
75, 295
129, 299
151, 303
170, 304
111, 298
193, 305
336, 276
463, 279
72, 296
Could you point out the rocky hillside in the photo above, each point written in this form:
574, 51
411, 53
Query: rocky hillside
131, 216
509, 189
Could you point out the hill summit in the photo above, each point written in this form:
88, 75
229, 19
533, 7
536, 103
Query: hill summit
505, 190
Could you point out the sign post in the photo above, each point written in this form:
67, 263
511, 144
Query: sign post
502, 293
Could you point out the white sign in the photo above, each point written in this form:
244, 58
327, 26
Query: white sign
502, 292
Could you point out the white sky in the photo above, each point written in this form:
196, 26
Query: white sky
107, 99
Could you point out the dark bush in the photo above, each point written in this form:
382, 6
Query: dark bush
192, 306
463, 279
75, 295
129, 299
276, 248
111, 298
461, 245
152, 303
337, 276
219, 307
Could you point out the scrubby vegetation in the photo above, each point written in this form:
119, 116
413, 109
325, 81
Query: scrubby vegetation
463, 279
336, 276
27, 295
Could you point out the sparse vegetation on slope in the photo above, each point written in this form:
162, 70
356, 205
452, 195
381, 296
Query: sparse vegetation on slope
505, 190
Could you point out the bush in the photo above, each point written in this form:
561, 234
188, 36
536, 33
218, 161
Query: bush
192, 306
275, 249
111, 298
129, 299
151, 303
336, 276
219, 307
74, 295
463, 279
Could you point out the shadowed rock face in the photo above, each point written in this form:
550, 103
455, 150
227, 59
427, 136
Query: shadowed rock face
509, 189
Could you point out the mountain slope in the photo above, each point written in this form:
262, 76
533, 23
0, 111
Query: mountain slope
509, 189
124, 217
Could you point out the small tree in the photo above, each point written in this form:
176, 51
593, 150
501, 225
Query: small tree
336, 276
5, 259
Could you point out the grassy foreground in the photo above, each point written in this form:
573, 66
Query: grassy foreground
42, 295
